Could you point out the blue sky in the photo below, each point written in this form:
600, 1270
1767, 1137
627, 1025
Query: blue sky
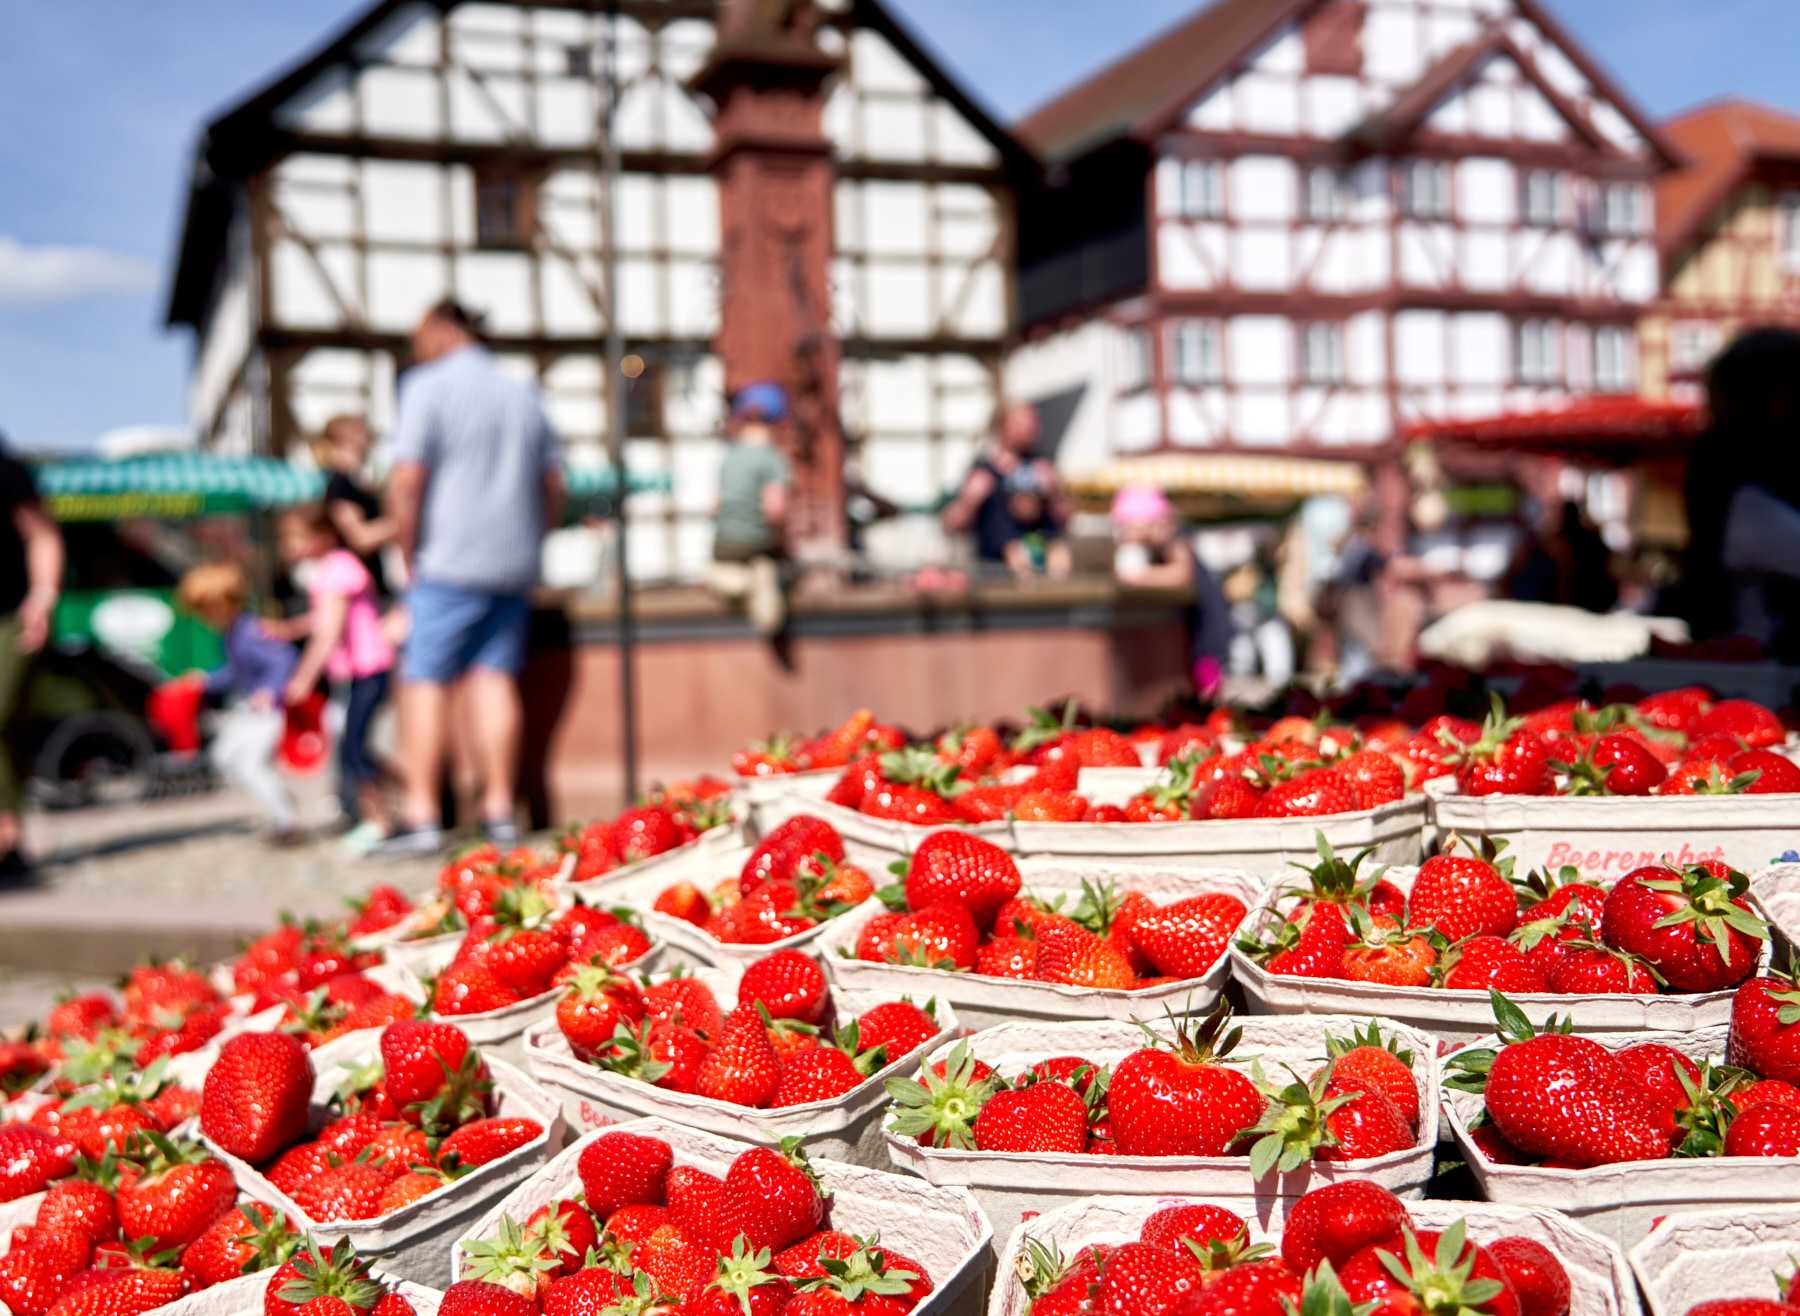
100, 101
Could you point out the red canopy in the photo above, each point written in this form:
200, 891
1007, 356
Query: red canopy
1612, 421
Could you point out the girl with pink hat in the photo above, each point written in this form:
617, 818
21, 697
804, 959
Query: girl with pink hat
1154, 553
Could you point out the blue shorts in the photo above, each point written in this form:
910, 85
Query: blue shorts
455, 628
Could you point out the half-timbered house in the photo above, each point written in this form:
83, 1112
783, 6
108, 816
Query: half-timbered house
804, 196
1297, 225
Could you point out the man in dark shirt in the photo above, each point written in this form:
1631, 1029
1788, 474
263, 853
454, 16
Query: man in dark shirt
31, 569
1014, 503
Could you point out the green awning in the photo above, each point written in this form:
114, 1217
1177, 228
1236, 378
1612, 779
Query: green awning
585, 481
171, 486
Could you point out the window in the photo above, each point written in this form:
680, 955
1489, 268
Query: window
1543, 198
1322, 354
1692, 345
1428, 189
1202, 189
1324, 196
1623, 210
1537, 358
1135, 367
505, 209
581, 61
1199, 353
1613, 363
1787, 230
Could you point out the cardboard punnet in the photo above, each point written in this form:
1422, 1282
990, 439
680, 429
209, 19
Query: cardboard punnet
1599, 1280
1263, 846
941, 1228
726, 836
1461, 1016
1608, 836
767, 799
1009, 1184
1776, 891
706, 869
1622, 1201
1694, 1256
244, 1297
981, 1001
880, 834
847, 1128
414, 1237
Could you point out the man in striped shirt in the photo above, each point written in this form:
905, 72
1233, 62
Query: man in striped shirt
477, 480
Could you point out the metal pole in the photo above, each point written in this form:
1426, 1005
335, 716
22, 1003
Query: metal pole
617, 385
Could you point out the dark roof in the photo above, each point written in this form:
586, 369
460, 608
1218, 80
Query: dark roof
1172, 68
1143, 93
246, 139
1722, 144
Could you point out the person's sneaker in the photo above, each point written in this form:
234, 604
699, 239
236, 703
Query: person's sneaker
362, 838
410, 843
502, 835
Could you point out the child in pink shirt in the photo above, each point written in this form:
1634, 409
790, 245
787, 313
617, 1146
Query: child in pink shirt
345, 642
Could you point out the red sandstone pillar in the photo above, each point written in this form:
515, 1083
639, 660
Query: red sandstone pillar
775, 175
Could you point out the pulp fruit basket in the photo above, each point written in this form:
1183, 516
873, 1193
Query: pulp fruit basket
1693, 1256
1010, 1186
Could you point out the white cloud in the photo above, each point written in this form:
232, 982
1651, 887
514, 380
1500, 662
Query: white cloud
54, 274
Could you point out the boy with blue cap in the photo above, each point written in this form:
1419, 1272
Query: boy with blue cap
748, 545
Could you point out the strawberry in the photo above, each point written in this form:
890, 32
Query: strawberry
771, 1198
254, 1102
1045, 1117
685, 1000
789, 984
676, 1262
471, 987
1673, 710
1340, 882
182, 1191
804, 1260
594, 1002
1484, 963
336, 1279
940, 936
1505, 759
1260, 1288
939, 1108
1692, 925
1536, 1276
741, 1287
79, 1206
1382, 952
79, 1016
789, 850
1585, 969
917, 805
1311, 946
1140, 1279
123, 1292
1767, 1089
1177, 1101
1325, 1120
1178, 1226
476, 1297
1615, 764
1465, 895
900, 1026
1084, 960
644, 832
248, 1238
955, 866
1050, 807
617, 944
432, 1073
1765, 1028
1310, 795
742, 1067
410, 1186
694, 1197
1435, 1274
1185, 939
1740, 1307
1375, 776
588, 1293
1705, 777
297, 1165
1775, 773
1377, 1064
484, 1140
35, 1275
623, 1169
1008, 957
1765, 1129
684, 901
512, 1260
1754, 726
657, 1052
351, 1191
1333, 1223
1569, 1098
819, 1073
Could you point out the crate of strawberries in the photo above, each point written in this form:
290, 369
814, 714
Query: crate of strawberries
1030, 1116
784, 768
1608, 790
1661, 948
1347, 1247
1721, 1263
1620, 1130
763, 1054
392, 1138
675, 818
1047, 939
711, 1227
733, 906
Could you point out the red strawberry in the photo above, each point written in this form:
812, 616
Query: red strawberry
741, 1287
955, 866
254, 1103
1334, 1222
900, 1026
687, 1001
595, 1001
1692, 925
79, 1206
1376, 777
34, 1276
471, 987
1615, 764
939, 1108
1378, 1064
1536, 1276
676, 1261
248, 1238
1486, 963
1775, 773
1765, 1029
1045, 1117
1177, 1102
123, 1292
1383, 952
1008, 957
1586, 970
1436, 1273
1463, 896
1312, 946
179, 1195
1752, 724
742, 1066
297, 1165
432, 1073
588, 1293
818, 1073
771, 1198
623, 1169
684, 901
1569, 1098
1506, 759
1673, 710
789, 984
1260, 1288
1176, 1226
694, 1197
1080, 959
1765, 1129
480, 1141
644, 832
1309, 795
512, 1259
476, 1297
1767, 1089
803, 1259
654, 1051
788, 849
941, 936
1184, 939
351, 1191
908, 804
1740, 1307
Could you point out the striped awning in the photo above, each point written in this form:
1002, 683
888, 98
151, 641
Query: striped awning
1245, 475
171, 486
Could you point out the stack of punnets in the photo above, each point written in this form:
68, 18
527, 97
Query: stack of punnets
897, 1026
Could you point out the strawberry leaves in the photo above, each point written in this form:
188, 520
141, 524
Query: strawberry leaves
1711, 904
